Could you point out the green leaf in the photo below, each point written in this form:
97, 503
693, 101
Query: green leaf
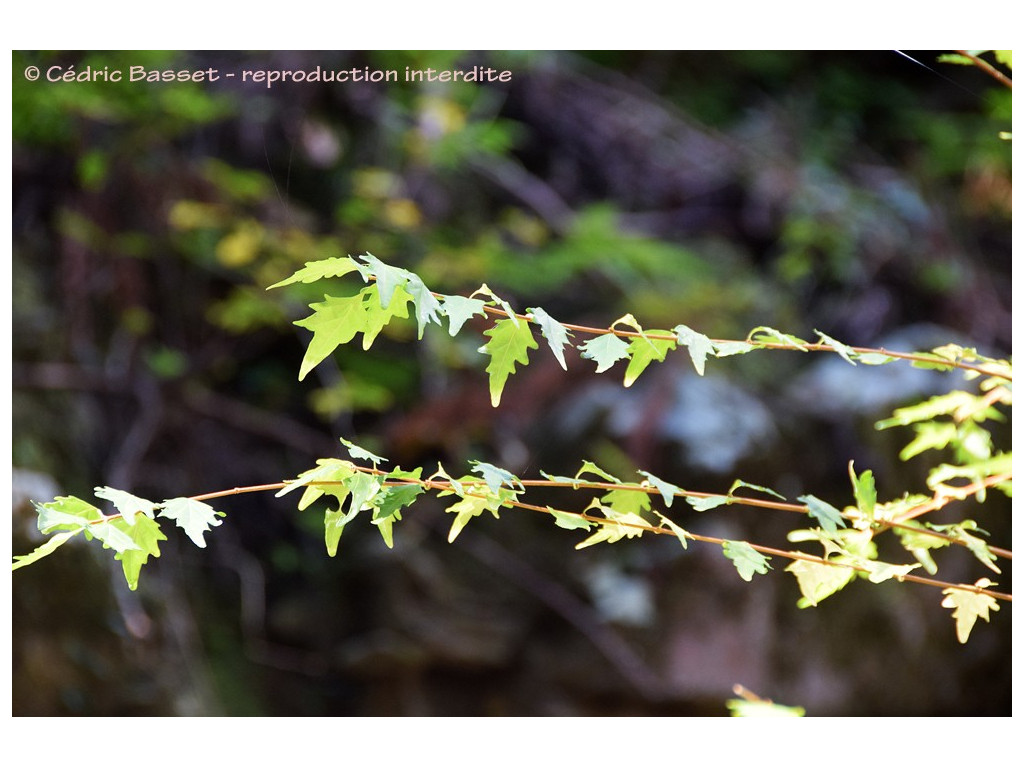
65, 513
605, 350
195, 517
864, 492
747, 560
844, 351
427, 306
591, 468
389, 279
818, 580
741, 484
471, 505
931, 435
703, 504
458, 309
494, 476
744, 708
877, 572
618, 526
127, 504
377, 315
667, 490
875, 358
334, 321
569, 521
388, 504
644, 351
112, 535
555, 333
697, 344
146, 534
917, 541
508, 345
968, 607
317, 270
765, 335
628, 501
728, 348
43, 550
496, 299
954, 58
679, 532
827, 516
361, 453
940, 405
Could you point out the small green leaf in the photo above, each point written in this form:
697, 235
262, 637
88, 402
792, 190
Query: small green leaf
747, 560
195, 517
590, 467
112, 535
877, 572
741, 484
968, 607
65, 513
864, 492
605, 350
844, 351
697, 344
555, 333
509, 345
146, 534
569, 521
667, 490
818, 580
703, 504
644, 351
458, 309
679, 532
827, 516
628, 501
335, 321
317, 270
361, 453
427, 306
744, 708
618, 526
765, 335
729, 348
43, 550
494, 476
389, 279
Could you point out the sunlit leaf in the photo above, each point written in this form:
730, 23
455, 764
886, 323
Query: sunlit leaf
968, 607
336, 266
509, 345
644, 351
667, 490
127, 504
818, 581
194, 517
697, 344
458, 309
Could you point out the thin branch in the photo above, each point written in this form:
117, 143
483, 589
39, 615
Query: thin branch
987, 68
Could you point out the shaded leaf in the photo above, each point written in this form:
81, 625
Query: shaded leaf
844, 351
747, 560
556, 334
605, 350
697, 344
828, 517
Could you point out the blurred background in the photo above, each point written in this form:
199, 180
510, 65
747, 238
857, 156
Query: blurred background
857, 193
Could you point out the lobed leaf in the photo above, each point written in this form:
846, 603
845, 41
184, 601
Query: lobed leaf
194, 517
697, 344
509, 345
556, 334
827, 516
606, 350
747, 560
336, 266
968, 607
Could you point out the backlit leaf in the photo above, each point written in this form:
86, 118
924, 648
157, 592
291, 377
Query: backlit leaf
43, 549
361, 453
146, 534
127, 504
968, 607
818, 580
317, 270
864, 491
644, 351
494, 476
508, 345
844, 351
569, 521
195, 517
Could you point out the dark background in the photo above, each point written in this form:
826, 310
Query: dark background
858, 193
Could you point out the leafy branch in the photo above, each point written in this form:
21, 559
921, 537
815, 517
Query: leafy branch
616, 510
